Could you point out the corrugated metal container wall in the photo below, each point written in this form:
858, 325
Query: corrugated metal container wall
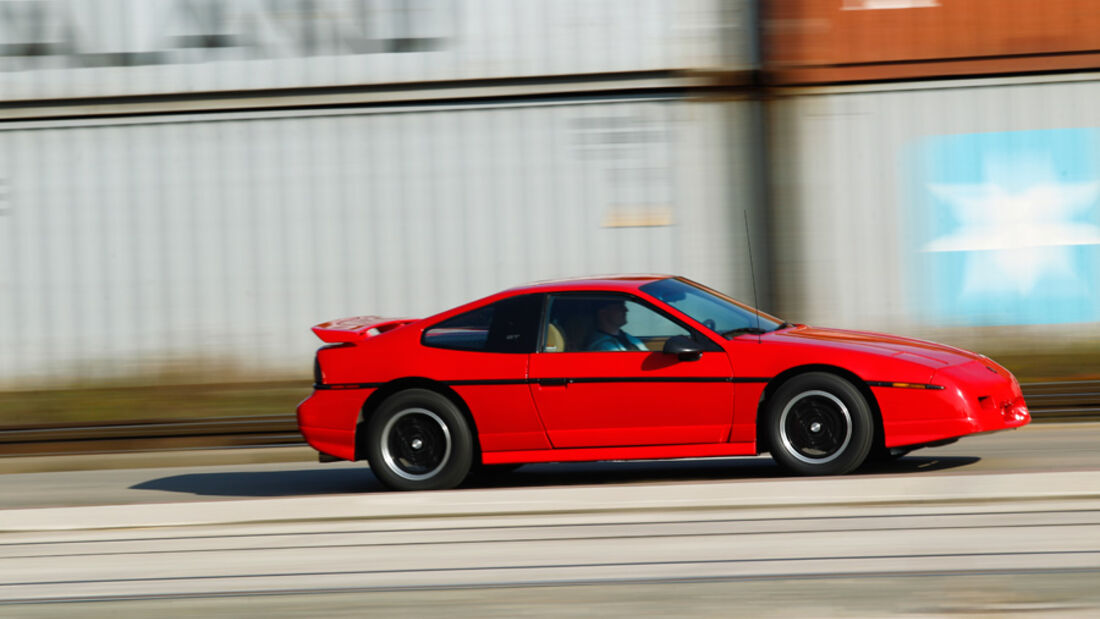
950, 204
827, 41
211, 243
53, 49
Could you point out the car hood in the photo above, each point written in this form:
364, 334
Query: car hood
926, 353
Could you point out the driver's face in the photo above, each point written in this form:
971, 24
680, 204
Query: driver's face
616, 314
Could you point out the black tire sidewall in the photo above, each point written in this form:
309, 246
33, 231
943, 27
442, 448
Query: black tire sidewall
458, 461
859, 411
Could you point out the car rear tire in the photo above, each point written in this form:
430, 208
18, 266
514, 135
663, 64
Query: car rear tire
419, 440
819, 424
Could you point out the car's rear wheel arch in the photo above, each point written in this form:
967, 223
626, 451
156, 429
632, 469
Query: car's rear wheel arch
395, 386
783, 377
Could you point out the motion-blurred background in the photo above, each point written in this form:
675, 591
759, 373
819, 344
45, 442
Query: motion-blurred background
186, 186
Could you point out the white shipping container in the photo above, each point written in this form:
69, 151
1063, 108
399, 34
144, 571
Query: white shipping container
942, 207
206, 245
51, 49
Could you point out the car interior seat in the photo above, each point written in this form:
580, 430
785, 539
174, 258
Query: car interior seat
555, 341
577, 329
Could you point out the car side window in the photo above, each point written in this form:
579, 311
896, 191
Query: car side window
605, 323
507, 326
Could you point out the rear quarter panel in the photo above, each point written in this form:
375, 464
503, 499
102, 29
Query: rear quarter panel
491, 385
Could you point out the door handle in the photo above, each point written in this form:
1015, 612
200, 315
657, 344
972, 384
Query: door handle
553, 382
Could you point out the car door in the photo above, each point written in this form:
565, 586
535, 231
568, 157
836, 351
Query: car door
593, 388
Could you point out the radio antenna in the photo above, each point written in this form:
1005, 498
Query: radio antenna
752, 275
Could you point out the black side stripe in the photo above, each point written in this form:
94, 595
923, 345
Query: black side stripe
635, 379
501, 381
591, 379
614, 379
566, 381
343, 386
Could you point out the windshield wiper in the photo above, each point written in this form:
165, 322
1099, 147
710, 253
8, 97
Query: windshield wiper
785, 325
740, 330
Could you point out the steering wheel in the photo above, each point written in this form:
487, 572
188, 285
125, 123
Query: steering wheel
709, 323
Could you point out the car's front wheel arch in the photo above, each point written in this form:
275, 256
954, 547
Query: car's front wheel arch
762, 443
395, 386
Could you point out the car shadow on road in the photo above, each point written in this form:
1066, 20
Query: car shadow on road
567, 474
916, 464
326, 480
309, 482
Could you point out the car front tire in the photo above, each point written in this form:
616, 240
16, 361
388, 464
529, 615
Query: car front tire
419, 440
819, 424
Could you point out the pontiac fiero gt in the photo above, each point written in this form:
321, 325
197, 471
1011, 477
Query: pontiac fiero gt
634, 367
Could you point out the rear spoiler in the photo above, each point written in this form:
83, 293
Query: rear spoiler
357, 328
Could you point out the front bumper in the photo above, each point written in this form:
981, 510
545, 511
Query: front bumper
978, 396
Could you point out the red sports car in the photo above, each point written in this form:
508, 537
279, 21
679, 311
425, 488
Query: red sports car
634, 367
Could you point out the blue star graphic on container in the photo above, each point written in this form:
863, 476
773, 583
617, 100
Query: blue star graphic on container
1005, 228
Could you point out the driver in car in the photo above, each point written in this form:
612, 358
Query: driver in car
610, 317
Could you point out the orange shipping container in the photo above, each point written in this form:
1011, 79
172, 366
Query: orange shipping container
829, 41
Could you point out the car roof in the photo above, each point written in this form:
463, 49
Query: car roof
625, 282
595, 283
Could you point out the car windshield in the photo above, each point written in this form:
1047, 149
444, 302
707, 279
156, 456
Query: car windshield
713, 309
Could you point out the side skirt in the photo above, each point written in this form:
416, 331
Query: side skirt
646, 452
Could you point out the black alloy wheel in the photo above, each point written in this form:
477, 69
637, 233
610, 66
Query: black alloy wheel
419, 440
819, 424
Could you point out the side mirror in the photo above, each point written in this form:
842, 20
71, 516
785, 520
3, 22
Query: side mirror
683, 347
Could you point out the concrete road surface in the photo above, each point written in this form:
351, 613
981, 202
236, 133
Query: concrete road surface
926, 558
976, 537
1035, 448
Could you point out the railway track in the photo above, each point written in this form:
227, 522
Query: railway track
1071, 400
158, 435
1048, 401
